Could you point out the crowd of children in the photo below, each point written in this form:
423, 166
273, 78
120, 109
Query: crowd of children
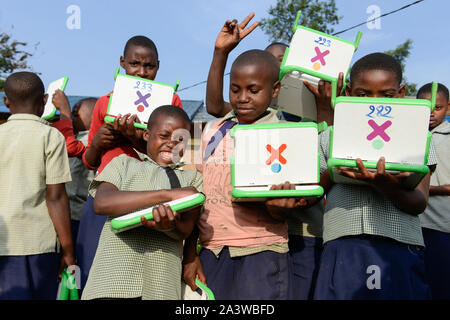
62, 183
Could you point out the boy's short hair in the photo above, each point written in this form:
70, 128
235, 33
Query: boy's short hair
377, 61
262, 58
140, 41
427, 89
24, 86
168, 111
276, 44
90, 100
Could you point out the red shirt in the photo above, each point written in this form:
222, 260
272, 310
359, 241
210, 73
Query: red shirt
98, 116
75, 148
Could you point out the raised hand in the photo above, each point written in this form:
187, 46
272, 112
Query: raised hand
61, 103
322, 96
232, 33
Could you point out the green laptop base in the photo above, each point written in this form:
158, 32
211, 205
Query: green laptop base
262, 195
418, 172
111, 119
133, 220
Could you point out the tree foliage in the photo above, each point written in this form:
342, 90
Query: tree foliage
316, 14
401, 53
13, 57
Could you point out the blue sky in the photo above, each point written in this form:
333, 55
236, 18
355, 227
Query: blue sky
185, 31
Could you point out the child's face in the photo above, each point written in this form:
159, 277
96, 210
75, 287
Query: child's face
277, 51
375, 84
82, 116
251, 91
440, 110
140, 62
161, 141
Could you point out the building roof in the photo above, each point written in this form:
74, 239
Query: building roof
194, 108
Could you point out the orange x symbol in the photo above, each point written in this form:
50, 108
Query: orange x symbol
275, 154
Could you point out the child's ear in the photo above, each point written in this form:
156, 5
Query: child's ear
348, 90
401, 91
6, 102
145, 135
276, 89
122, 62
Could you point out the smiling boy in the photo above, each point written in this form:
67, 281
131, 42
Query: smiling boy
145, 262
107, 141
373, 244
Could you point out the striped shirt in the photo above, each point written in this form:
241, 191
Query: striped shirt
359, 209
34, 155
140, 262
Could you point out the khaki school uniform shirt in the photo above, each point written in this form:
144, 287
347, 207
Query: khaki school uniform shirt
33, 155
437, 214
140, 262
359, 209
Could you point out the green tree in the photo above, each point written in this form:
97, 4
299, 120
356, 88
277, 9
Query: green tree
316, 14
12, 57
401, 53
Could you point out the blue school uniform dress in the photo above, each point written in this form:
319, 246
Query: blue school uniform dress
34, 155
436, 219
372, 250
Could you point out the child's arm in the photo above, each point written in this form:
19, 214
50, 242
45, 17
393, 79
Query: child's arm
322, 96
440, 190
104, 139
410, 201
192, 266
229, 37
125, 125
111, 201
75, 148
58, 209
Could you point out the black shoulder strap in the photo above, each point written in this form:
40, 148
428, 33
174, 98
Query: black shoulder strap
173, 179
217, 137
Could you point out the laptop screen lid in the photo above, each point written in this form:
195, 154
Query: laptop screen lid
268, 154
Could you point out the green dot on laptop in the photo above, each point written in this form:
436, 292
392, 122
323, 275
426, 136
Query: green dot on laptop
377, 144
276, 167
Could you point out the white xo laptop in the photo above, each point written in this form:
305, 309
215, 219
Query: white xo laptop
133, 220
138, 96
271, 154
370, 128
311, 56
50, 109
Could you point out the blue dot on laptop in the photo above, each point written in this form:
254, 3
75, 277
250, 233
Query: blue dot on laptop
276, 167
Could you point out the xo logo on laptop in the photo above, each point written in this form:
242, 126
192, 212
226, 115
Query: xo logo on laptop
275, 155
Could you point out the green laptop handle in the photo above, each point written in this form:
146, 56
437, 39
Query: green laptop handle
66, 292
138, 125
203, 286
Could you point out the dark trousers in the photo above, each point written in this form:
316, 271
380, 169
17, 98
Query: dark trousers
262, 276
437, 263
31, 277
305, 253
371, 268
89, 231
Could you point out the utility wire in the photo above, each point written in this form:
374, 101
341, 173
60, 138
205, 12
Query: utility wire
383, 15
334, 34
